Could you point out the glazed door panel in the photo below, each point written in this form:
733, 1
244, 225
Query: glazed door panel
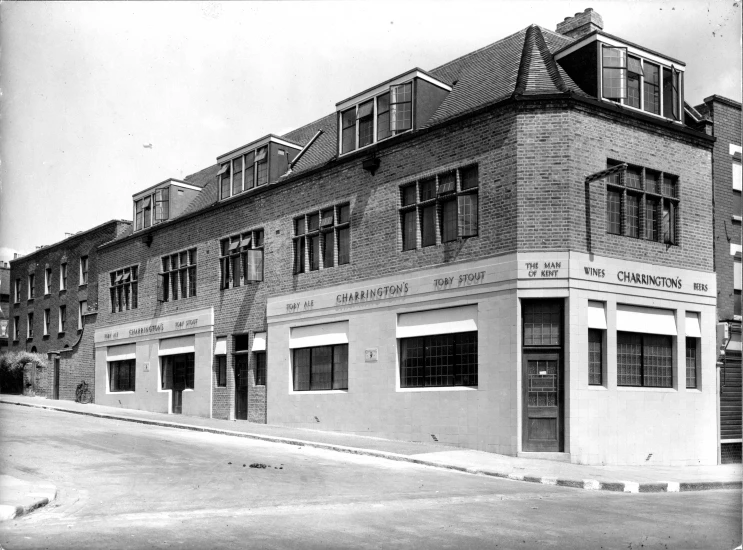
542, 403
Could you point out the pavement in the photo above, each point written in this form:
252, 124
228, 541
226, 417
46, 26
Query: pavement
18, 496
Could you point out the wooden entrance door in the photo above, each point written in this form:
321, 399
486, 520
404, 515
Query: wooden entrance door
241, 387
179, 382
542, 403
55, 387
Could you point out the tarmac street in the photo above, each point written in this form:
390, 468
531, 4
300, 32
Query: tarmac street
126, 485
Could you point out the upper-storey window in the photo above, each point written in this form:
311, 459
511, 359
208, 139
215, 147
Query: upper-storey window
247, 171
152, 208
322, 239
391, 108
640, 83
17, 291
394, 115
643, 203
439, 208
31, 285
83, 270
124, 289
614, 72
48, 280
178, 277
241, 259
63, 276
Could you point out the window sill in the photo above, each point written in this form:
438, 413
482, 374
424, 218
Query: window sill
597, 387
47, 295
62, 291
642, 239
442, 388
45, 337
131, 392
315, 392
60, 334
442, 243
31, 339
694, 390
83, 285
736, 219
641, 111
646, 389
30, 300
372, 144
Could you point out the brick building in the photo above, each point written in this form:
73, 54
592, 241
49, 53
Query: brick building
724, 116
54, 305
4, 304
511, 252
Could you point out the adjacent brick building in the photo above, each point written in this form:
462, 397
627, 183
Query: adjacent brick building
511, 252
725, 117
4, 304
54, 305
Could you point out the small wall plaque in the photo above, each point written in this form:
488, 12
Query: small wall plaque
146, 367
370, 355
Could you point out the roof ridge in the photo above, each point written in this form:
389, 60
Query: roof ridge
472, 53
525, 61
563, 36
549, 61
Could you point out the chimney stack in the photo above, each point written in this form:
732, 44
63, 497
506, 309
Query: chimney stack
581, 24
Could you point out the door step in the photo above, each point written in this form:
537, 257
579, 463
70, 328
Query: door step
559, 457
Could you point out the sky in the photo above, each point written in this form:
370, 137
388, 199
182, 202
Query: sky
84, 86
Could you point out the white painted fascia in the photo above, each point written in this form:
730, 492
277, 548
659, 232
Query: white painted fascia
619, 44
384, 87
257, 144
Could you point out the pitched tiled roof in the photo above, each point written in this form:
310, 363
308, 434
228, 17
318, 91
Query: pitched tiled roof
521, 64
324, 147
207, 179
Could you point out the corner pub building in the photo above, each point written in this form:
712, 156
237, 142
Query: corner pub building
511, 252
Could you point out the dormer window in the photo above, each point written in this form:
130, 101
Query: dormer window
614, 72
394, 116
640, 83
628, 75
254, 165
157, 204
388, 110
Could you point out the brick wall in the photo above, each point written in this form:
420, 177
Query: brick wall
77, 364
532, 157
727, 130
558, 147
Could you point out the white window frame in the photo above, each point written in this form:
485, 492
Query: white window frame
80, 314
643, 59
374, 99
17, 297
47, 321
29, 325
47, 281
60, 328
87, 267
31, 279
63, 276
